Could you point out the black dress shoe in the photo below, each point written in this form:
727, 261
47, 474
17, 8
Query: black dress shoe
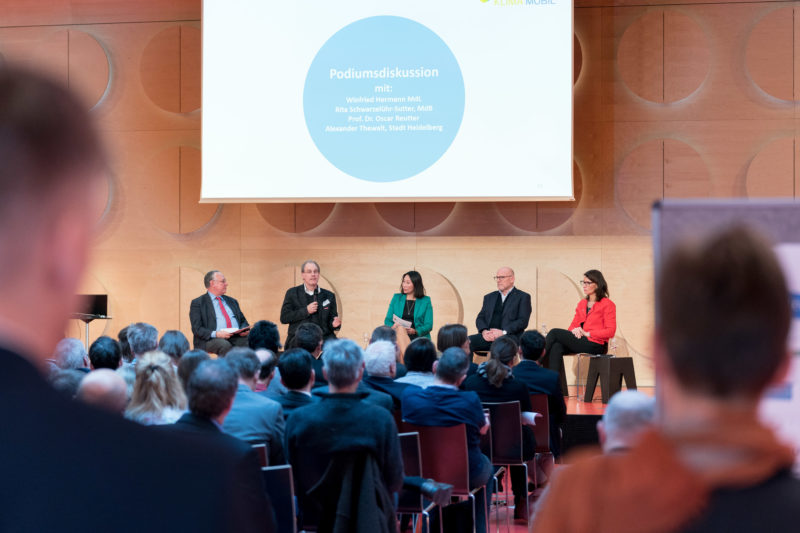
438, 492
520, 509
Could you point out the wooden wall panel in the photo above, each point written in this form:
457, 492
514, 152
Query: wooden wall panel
686, 99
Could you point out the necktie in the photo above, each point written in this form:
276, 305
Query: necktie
224, 313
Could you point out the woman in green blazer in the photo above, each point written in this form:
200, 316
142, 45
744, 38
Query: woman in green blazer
411, 304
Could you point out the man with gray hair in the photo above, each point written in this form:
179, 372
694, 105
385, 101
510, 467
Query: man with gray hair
308, 302
142, 338
71, 354
338, 425
628, 414
254, 418
106, 389
381, 369
218, 323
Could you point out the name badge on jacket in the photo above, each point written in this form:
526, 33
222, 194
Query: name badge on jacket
326, 303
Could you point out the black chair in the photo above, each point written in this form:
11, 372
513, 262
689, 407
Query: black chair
544, 455
411, 502
506, 425
610, 370
280, 488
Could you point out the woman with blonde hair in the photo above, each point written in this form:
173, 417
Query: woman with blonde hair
158, 397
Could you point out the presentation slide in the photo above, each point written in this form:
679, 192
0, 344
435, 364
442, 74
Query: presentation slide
376, 100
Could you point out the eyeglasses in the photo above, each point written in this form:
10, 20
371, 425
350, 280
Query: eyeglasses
498, 278
584, 283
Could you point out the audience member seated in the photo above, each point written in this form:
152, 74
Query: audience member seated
267, 372
297, 374
128, 374
188, 363
124, 346
420, 356
442, 404
628, 414
105, 353
710, 464
380, 363
336, 427
105, 389
211, 390
455, 335
67, 381
142, 338
541, 380
264, 334
174, 343
70, 354
494, 382
593, 325
385, 333
254, 418
158, 397
308, 336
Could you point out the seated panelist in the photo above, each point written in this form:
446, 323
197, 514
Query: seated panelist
593, 325
218, 323
505, 311
412, 305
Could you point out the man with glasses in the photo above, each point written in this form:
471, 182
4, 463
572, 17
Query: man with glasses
216, 318
505, 311
309, 303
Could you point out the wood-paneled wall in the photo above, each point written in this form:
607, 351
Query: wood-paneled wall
682, 99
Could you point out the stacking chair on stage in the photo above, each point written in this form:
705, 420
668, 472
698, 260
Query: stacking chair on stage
445, 459
506, 426
544, 455
410, 502
280, 488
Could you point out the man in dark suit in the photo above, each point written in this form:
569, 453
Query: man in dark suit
540, 380
211, 391
379, 358
505, 312
310, 303
52, 177
297, 375
214, 315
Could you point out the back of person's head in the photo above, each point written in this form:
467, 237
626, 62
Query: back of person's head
268, 360
264, 334
420, 355
531, 344
211, 388
308, 336
128, 374
342, 362
174, 343
723, 314
501, 354
67, 381
142, 338
296, 366
244, 361
189, 363
70, 354
452, 365
105, 389
627, 415
380, 359
383, 333
105, 353
124, 346
156, 388
451, 335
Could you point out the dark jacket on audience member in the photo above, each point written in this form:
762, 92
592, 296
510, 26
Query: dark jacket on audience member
541, 380
292, 399
375, 397
389, 386
79, 454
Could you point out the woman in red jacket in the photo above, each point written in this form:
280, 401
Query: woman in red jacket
594, 324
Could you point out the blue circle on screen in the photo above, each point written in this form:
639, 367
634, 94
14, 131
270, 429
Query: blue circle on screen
383, 99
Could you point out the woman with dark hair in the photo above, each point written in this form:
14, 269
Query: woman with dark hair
494, 383
412, 305
593, 325
419, 358
174, 343
453, 335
